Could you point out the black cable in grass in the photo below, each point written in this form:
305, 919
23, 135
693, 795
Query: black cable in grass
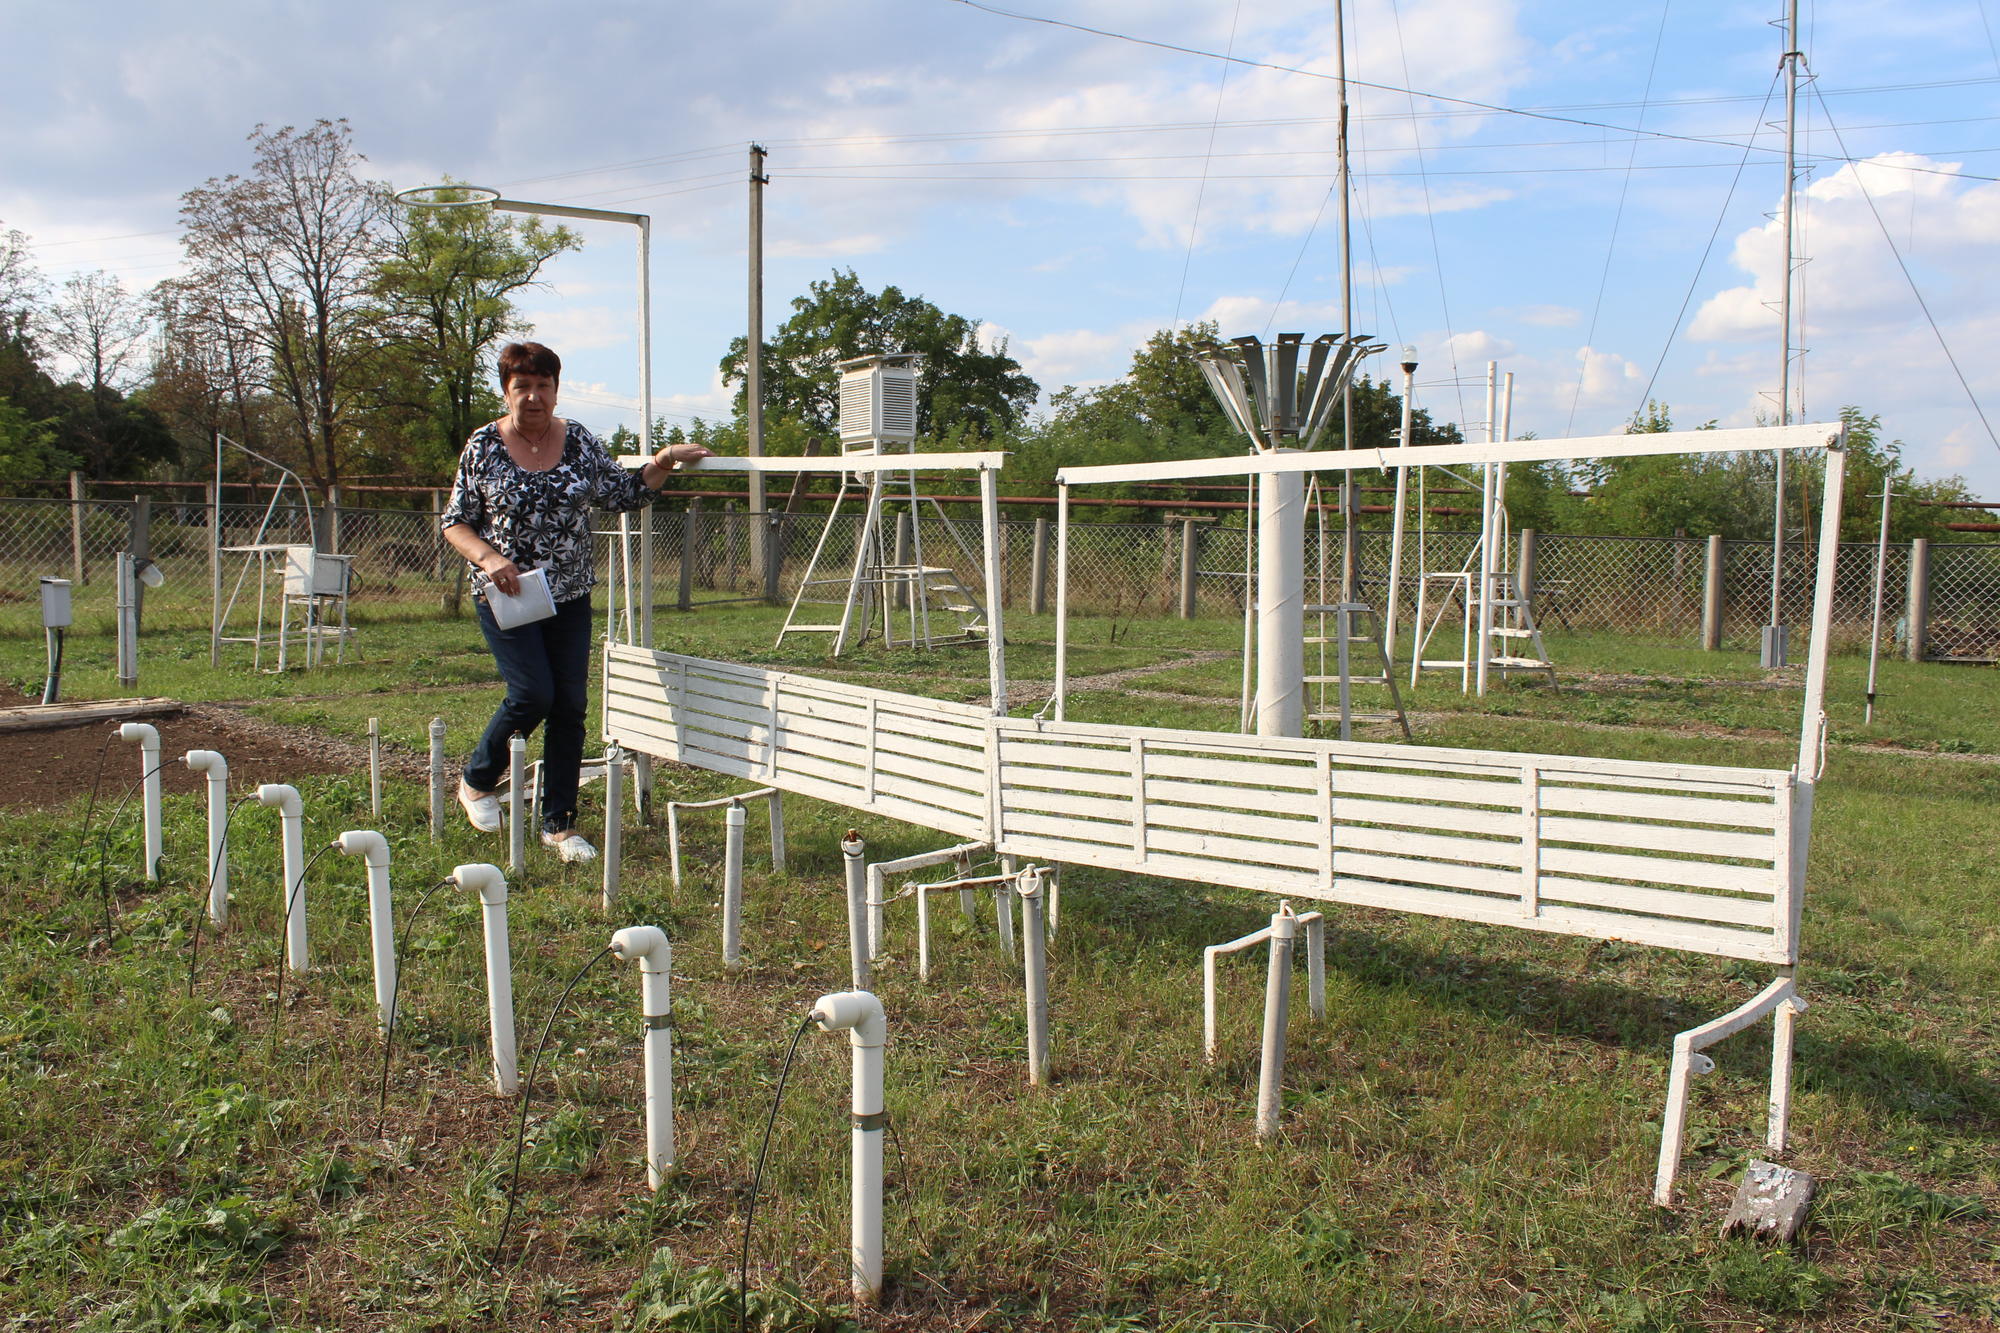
757, 1179
285, 943
83, 830
908, 1189
396, 1005
201, 903
104, 846
528, 1095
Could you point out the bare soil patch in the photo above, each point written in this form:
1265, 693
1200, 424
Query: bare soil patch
41, 769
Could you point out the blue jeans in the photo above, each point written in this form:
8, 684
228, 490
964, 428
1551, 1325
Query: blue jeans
546, 667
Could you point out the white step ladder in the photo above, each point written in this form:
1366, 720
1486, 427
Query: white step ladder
1356, 633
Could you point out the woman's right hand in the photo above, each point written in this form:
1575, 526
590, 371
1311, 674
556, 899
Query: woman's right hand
506, 575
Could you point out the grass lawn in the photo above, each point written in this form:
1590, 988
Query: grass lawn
1468, 1140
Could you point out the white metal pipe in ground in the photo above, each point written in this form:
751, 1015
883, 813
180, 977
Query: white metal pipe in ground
968, 901
1281, 601
1397, 523
491, 886
777, 799
859, 1014
212, 765
292, 888
1034, 953
877, 897
1277, 1010
517, 824
1003, 905
674, 843
964, 885
732, 884
614, 825
375, 767
148, 737
648, 946
1315, 928
852, 850
438, 796
373, 848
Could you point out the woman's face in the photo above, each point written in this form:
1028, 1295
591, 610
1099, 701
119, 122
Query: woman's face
531, 400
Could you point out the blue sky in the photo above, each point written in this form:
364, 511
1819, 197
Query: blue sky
1049, 182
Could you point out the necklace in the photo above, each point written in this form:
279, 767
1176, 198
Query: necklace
535, 446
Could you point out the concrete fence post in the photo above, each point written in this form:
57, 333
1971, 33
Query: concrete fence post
1524, 568
1711, 595
690, 537
1038, 570
140, 544
76, 528
1189, 562
1919, 603
333, 525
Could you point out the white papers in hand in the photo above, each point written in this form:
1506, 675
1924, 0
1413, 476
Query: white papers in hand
525, 607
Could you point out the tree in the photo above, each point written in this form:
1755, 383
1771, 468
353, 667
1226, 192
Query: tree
290, 252
444, 286
964, 386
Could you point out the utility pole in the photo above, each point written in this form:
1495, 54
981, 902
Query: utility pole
1349, 557
753, 377
1773, 654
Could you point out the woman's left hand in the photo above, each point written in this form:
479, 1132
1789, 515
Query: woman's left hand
687, 452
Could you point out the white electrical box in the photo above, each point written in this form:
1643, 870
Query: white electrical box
878, 399
55, 603
312, 573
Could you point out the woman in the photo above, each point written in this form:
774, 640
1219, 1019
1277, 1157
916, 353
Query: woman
522, 500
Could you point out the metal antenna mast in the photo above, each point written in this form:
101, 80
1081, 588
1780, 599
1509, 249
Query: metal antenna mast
1348, 561
1774, 633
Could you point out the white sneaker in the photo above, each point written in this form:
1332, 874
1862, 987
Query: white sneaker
482, 808
570, 845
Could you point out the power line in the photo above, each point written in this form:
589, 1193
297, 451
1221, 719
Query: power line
1194, 228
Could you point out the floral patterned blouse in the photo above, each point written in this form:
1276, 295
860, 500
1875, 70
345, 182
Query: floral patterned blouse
541, 520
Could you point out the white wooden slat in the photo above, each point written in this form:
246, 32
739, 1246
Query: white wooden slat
1416, 786
1021, 777
1029, 830
1299, 773
1201, 870
1751, 782
1657, 838
1055, 755
1476, 851
1661, 870
1499, 881
1504, 823
1236, 822
716, 706
1216, 796
724, 689
1103, 810
1757, 814
1303, 856
1711, 907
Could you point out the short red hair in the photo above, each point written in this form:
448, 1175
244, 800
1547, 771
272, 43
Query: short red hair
528, 359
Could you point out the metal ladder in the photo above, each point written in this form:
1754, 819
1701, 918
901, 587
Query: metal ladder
1355, 625
1513, 623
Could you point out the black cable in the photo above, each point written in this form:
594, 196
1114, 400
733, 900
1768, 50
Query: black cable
757, 1180
285, 942
396, 1004
89, 811
104, 845
194, 956
527, 1095
908, 1189
53, 686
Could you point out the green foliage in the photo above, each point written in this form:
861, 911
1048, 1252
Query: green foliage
963, 384
445, 285
1777, 1282
673, 1299
209, 1308
230, 1228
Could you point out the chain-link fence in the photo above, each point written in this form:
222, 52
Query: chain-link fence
704, 554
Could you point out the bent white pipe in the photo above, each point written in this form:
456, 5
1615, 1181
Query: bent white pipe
373, 849
517, 827
614, 825
292, 889
877, 897
732, 884
148, 737
1034, 952
852, 849
648, 946
437, 778
216, 768
1277, 1010
491, 886
860, 1015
